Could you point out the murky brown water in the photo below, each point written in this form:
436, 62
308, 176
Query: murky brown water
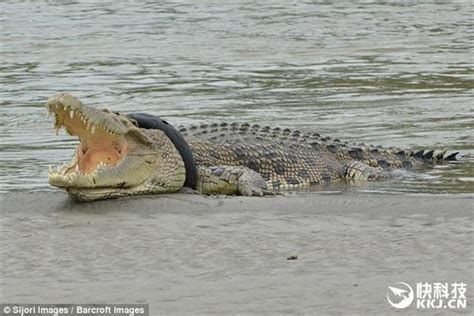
383, 73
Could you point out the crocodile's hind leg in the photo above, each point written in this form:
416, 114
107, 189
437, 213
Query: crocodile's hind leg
231, 180
356, 170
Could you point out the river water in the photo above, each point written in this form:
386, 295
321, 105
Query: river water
390, 73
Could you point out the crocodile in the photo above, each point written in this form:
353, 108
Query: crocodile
131, 154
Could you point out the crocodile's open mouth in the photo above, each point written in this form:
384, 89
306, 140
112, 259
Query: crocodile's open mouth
114, 156
100, 146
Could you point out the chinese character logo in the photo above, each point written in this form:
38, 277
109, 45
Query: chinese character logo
400, 295
441, 295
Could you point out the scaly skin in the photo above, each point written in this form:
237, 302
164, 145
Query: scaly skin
289, 159
117, 158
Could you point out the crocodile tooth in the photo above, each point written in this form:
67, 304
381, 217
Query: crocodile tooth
92, 129
50, 169
77, 168
71, 114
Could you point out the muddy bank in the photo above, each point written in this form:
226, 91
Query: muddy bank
193, 254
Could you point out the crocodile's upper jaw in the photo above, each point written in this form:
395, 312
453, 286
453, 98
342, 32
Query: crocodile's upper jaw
113, 158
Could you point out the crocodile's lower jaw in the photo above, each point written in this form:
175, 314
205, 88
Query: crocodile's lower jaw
65, 180
87, 195
73, 173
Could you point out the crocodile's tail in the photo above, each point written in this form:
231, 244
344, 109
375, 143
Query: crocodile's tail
393, 158
433, 155
378, 156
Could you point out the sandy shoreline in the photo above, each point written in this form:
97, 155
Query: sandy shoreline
193, 254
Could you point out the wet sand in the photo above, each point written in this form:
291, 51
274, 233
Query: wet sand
188, 254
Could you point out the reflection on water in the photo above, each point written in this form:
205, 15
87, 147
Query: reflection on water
383, 73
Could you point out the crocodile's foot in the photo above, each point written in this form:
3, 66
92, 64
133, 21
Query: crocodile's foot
232, 180
251, 183
356, 170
